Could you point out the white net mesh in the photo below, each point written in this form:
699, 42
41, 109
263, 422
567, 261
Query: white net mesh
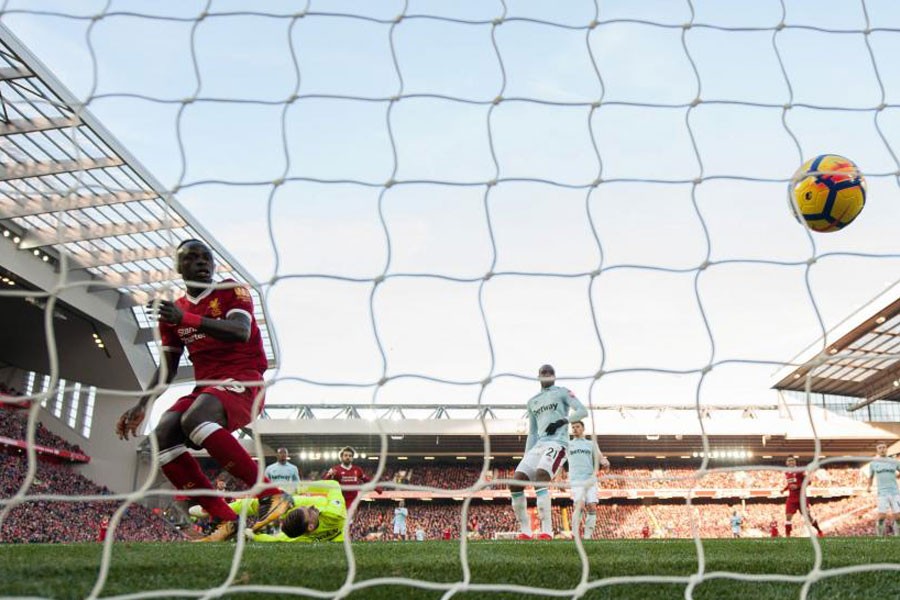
434, 199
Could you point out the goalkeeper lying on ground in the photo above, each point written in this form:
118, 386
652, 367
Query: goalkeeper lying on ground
318, 515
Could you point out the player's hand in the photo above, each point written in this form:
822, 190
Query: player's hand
552, 427
167, 311
130, 422
604, 463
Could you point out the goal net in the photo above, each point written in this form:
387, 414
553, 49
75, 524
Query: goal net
431, 200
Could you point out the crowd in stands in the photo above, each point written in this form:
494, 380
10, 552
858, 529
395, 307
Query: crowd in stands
438, 521
78, 521
14, 424
460, 477
681, 478
42, 521
850, 516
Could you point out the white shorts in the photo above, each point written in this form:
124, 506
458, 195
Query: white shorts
546, 456
400, 528
889, 503
588, 494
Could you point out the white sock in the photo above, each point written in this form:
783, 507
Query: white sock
203, 431
590, 521
520, 507
544, 512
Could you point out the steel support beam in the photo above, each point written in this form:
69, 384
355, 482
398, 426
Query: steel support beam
41, 168
38, 205
134, 278
37, 238
117, 257
10, 73
40, 124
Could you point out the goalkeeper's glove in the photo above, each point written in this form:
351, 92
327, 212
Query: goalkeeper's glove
552, 427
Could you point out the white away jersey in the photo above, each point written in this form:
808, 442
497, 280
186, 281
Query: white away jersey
581, 459
550, 405
885, 472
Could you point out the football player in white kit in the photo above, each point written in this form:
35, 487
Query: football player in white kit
545, 450
584, 459
884, 471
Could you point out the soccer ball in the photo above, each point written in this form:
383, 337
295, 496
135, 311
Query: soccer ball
828, 193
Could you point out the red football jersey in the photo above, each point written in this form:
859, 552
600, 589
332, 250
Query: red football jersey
217, 359
794, 478
351, 475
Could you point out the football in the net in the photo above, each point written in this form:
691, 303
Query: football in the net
827, 193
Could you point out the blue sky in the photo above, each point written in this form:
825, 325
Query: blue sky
652, 236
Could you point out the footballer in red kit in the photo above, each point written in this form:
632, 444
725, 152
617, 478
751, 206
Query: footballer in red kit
793, 484
101, 531
231, 366
217, 328
346, 473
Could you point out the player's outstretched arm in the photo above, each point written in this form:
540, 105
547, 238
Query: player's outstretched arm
366, 479
198, 511
252, 506
130, 421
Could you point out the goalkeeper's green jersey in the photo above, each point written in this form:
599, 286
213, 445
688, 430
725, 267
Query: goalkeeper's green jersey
323, 495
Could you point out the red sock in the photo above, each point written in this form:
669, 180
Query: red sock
184, 472
816, 525
787, 529
229, 453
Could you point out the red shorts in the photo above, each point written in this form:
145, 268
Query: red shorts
793, 505
237, 399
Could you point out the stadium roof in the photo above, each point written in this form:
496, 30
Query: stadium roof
74, 197
859, 358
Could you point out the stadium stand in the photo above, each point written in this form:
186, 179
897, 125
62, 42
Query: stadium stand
449, 477
14, 425
638, 497
43, 521
842, 517
623, 515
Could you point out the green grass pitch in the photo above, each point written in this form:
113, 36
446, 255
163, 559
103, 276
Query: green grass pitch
70, 570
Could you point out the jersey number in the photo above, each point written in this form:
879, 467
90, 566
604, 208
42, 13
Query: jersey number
551, 452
